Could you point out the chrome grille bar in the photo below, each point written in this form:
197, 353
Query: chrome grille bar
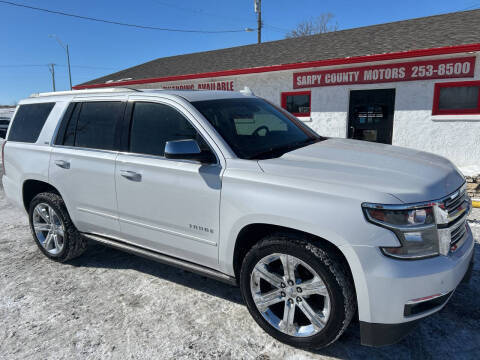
458, 233
452, 204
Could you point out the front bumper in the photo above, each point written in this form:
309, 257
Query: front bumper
392, 284
374, 334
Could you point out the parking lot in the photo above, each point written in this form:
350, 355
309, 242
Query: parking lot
109, 304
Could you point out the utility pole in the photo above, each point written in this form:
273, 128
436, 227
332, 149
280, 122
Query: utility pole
258, 10
65, 47
51, 67
69, 71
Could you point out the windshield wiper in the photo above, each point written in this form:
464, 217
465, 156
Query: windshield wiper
279, 151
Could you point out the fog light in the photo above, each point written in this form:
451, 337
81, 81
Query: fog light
424, 304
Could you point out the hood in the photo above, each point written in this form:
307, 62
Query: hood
407, 174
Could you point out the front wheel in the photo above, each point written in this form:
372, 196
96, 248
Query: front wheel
296, 291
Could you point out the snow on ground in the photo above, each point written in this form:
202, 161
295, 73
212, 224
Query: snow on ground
112, 305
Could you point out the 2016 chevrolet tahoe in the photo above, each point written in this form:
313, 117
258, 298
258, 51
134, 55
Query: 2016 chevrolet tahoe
228, 185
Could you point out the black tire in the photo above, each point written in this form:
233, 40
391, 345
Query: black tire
328, 266
74, 244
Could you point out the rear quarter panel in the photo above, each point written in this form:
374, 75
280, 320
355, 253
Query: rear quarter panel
30, 161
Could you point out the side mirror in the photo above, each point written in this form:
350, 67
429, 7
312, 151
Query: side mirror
188, 150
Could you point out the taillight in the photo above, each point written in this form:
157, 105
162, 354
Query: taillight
3, 156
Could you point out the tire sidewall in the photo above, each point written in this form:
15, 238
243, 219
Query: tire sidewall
56, 202
300, 250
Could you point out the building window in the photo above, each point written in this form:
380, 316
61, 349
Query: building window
456, 98
297, 103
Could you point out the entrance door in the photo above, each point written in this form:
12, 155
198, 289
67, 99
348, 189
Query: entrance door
370, 115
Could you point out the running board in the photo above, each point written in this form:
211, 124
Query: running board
164, 259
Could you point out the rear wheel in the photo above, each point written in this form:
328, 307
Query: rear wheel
296, 291
52, 228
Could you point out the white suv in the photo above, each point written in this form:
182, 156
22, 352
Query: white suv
232, 187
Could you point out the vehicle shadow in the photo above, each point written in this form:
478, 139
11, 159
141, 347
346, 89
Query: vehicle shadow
100, 256
453, 332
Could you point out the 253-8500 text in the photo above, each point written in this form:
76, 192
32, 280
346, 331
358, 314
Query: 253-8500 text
442, 69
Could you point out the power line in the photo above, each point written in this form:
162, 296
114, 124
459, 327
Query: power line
26, 65
211, 14
144, 27
43, 65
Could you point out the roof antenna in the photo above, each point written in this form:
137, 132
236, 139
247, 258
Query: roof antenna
246, 91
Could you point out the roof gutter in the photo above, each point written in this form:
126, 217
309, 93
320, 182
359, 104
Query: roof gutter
310, 64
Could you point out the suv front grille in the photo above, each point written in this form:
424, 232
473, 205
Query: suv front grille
454, 202
457, 206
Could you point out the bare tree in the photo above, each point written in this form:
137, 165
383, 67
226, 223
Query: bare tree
319, 25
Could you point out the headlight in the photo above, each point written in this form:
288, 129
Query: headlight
414, 227
407, 218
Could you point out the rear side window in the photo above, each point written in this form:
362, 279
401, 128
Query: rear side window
92, 125
97, 123
29, 121
154, 124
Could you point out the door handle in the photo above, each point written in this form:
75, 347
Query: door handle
63, 164
131, 175
352, 132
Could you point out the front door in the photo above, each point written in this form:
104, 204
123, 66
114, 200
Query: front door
370, 115
169, 206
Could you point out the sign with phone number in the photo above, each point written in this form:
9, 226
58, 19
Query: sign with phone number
408, 71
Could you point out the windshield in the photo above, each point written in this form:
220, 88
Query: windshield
254, 128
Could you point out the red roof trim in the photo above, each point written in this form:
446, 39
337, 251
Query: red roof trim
310, 64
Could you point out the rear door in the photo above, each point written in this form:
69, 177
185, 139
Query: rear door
171, 206
82, 164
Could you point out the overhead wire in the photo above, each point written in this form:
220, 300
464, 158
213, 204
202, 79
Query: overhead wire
113, 22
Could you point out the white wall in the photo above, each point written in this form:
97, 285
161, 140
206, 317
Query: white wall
457, 138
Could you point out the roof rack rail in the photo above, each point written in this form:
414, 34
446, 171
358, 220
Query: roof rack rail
87, 91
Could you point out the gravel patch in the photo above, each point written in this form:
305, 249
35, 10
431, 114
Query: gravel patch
111, 305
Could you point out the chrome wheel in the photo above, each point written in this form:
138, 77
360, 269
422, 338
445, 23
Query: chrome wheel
48, 228
290, 295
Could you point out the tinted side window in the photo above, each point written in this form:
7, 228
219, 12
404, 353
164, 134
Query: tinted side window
64, 123
69, 137
96, 125
29, 121
155, 124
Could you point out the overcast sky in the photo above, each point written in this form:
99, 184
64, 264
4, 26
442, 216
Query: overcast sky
98, 49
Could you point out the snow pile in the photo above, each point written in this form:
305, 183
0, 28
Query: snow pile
471, 170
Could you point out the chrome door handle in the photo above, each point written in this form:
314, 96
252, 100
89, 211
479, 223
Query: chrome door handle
352, 132
131, 175
63, 164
